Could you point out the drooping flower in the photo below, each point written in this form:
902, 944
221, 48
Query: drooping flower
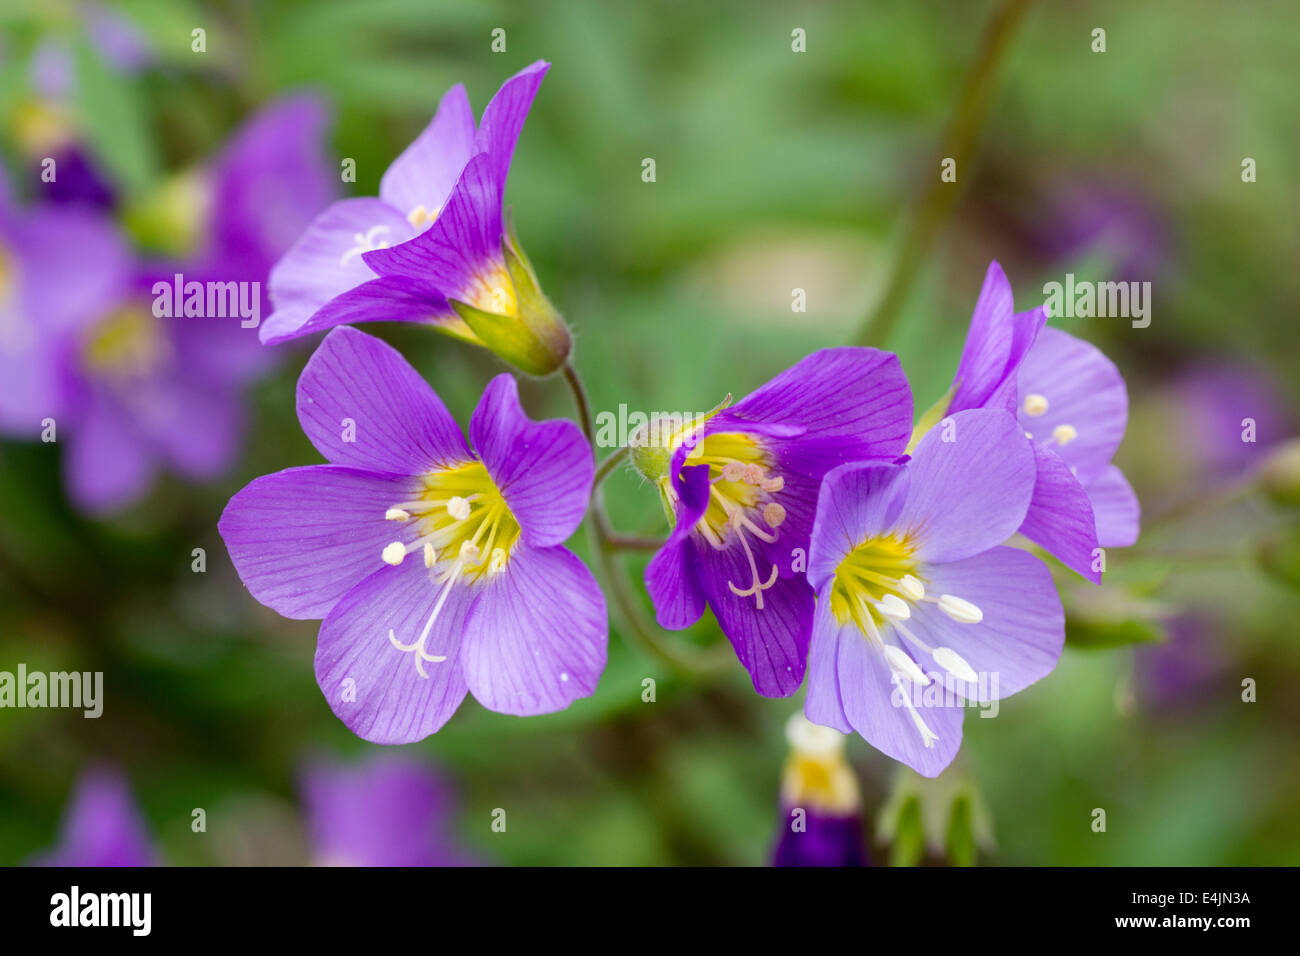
741, 489
1073, 407
919, 607
390, 810
821, 808
434, 246
82, 346
438, 571
101, 826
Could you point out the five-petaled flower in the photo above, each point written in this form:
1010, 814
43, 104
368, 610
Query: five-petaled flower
437, 570
919, 608
434, 247
741, 490
1073, 408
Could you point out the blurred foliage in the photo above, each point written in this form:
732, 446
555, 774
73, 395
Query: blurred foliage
775, 171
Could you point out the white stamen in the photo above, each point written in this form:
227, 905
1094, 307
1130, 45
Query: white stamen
458, 507
955, 664
928, 736
904, 666
1064, 434
960, 610
1035, 405
396, 514
429, 555
893, 607
394, 553
773, 484
497, 563
773, 514
912, 587
753, 474
733, 471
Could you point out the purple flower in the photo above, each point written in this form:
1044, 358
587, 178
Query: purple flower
388, 811
741, 491
129, 392
919, 609
437, 570
1229, 416
821, 808
1073, 407
101, 826
434, 246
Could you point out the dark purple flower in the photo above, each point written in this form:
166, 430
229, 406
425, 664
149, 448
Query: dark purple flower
919, 609
101, 826
487, 602
1073, 407
390, 810
741, 491
434, 246
821, 809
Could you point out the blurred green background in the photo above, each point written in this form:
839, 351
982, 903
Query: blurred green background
775, 170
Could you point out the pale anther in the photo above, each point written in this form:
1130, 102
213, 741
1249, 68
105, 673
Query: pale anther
394, 553
773, 514
911, 586
429, 555
753, 474
1035, 404
733, 471
955, 664
1064, 434
396, 514
458, 508
894, 607
773, 484
904, 666
960, 610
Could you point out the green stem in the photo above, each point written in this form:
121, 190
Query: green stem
606, 543
939, 198
612, 461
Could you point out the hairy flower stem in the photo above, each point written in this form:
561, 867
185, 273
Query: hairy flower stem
606, 544
958, 144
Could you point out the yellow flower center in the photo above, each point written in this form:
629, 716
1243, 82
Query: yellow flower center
463, 530
742, 501
494, 291
870, 572
127, 344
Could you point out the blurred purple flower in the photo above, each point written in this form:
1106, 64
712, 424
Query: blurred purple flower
741, 492
101, 826
821, 809
80, 343
388, 811
1088, 217
490, 600
906, 561
1215, 403
329, 276
1073, 407
1181, 671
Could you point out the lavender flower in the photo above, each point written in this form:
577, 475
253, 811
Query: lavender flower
918, 607
437, 571
821, 808
101, 826
741, 491
1073, 407
434, 246
81, 346
388, 811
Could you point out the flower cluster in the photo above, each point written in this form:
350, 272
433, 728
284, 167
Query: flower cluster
834, 539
